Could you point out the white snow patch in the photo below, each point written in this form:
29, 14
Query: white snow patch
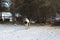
18, 32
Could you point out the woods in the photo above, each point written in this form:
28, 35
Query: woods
35, 8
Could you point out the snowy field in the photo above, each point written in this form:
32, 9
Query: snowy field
18, 32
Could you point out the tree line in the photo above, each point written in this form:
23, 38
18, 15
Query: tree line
36, 8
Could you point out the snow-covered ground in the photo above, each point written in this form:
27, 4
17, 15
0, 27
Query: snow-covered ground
18, 32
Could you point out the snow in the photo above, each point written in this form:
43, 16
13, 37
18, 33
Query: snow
18, 32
